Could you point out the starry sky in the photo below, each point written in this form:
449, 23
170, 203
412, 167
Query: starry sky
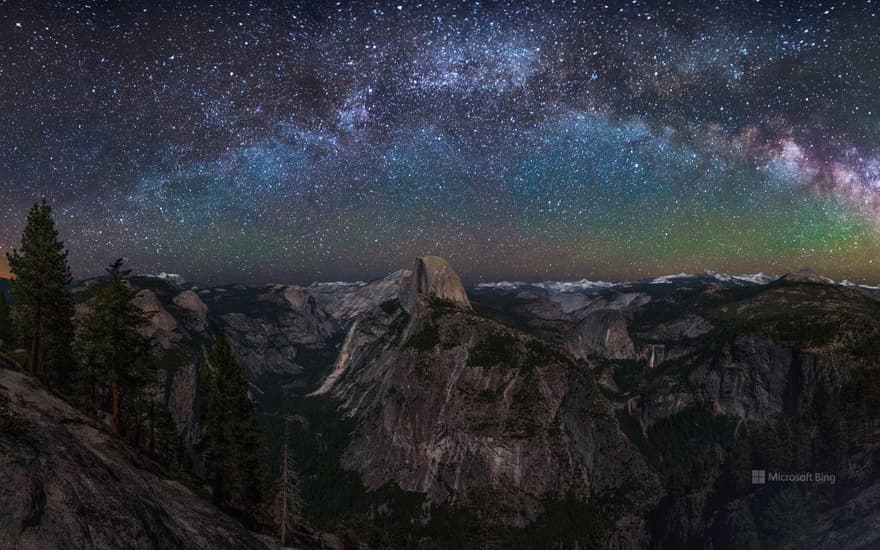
297, 141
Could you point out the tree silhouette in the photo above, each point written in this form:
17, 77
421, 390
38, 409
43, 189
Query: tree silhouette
41, 290
232, 457
288, 501
113, 349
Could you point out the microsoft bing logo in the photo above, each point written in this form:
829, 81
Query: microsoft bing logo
759, 477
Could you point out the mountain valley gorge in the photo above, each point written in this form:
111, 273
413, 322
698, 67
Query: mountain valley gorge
507, 415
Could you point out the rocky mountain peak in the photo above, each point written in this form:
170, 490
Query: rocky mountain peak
805, 275
432, 277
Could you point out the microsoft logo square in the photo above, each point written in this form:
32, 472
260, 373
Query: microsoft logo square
759, 477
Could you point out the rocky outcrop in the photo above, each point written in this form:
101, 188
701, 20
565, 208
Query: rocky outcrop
805, 275
298, 297
757, 379
456, 406
347, 301
189, 301
66, 483
184, 402
603, 333
432, 278
163, 325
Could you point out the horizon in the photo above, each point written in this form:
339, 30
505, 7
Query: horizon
468, 283
331, 141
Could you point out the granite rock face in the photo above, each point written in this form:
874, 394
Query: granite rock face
347, 301
184, 401
432, 278
755, 378
66, 483
603, 333
269, 328
190, 301
163, 325
459, 407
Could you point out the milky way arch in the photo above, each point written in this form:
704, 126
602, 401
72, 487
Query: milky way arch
285, 141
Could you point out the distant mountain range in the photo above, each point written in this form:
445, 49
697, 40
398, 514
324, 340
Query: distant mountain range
706, 277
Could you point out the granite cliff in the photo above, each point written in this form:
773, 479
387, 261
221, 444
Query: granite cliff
67, 483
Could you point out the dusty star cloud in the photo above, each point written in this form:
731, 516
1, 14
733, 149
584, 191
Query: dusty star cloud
299, 141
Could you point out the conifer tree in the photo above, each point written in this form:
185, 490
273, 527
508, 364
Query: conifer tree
288, 500
113, 349
5, 321
167, 445
231, 437
41, 290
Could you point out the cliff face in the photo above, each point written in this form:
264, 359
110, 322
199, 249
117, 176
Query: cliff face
714, 376
460, 407
347, 301
269, 328
432, 278
66, 483
754, 378
275, 331
602, 333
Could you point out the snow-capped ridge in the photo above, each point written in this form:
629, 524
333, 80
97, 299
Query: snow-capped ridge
175, 278
667, 279
556, 286
320, 284
759, 278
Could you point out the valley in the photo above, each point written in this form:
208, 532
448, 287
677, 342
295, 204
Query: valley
579, 415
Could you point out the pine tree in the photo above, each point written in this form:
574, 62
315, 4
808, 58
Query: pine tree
5, 321
41, 290
288, 500
167, 444
113, 349
232, 456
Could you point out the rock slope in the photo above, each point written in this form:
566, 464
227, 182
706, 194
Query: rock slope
66, 483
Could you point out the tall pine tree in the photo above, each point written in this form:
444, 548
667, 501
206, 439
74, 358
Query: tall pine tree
288, 500
113, 350
43, 300
232, 449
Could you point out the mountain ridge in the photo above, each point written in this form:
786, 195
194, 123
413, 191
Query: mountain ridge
560, 285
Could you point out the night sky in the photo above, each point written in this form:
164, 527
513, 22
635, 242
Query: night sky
301, 141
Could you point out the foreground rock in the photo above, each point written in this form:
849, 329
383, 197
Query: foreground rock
66, 483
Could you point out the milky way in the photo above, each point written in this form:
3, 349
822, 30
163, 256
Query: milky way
293, 142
